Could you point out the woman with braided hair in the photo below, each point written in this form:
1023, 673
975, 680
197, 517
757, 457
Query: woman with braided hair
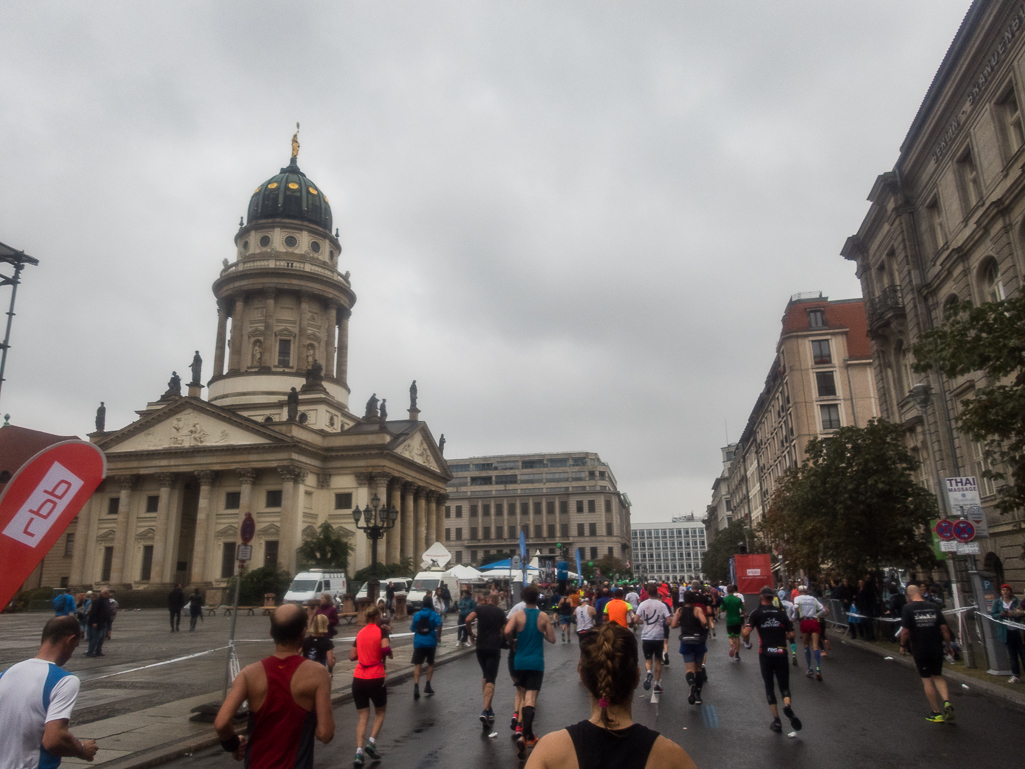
609, 739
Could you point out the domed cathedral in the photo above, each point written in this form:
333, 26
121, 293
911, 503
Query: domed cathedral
274, 436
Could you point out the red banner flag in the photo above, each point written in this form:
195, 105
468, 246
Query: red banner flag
39, 502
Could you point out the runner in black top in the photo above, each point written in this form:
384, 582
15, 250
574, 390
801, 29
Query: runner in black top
774, 628
609, 739
490, 626
925, 630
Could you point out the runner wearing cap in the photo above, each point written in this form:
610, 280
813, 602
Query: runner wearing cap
774, 628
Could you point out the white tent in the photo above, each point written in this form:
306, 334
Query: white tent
464, 573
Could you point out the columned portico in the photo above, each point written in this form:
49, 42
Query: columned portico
407, 531
160, 539
419, 525
395, 535
439, 519
432, 524
203, 518
117, 566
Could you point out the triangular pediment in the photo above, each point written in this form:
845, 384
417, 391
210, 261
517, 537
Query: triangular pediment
188, 424
107, 536
270, 531
421, 448
228, 531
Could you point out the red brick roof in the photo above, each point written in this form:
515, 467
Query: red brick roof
845, 313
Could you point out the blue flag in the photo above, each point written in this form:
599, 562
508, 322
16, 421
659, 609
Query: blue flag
580, 571
523, 554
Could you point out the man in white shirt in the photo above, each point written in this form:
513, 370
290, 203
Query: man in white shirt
633, 599
808, 609
36, 700
652, 615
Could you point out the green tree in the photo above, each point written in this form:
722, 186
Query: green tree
989, 339
385, 570
258, 582
716, 561
854, 505
325, 551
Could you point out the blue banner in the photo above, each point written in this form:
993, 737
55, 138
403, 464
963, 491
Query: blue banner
523, 555
580, 570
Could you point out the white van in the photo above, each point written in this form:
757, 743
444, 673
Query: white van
430, 580
313, 583
401, 585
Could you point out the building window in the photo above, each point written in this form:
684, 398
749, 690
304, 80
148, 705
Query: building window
459, 535
108, 559
580, 505
608, 529
934, 218
524, 508
563, 507
473, 511
232, 500
826, 384
611, 550
992, 286
830, 416
448, 511
270, 553
817, 318
592, 529
820, 353
227, 560
473, 532
564, 530
113, 505
448, 535
284, 352
505, 480
550, 507
69, 545
538, 531
473, 556
608, 505
498, 531
591, 506
273, 498
485, 510
537, 509
594, 553
459, 556
580, 529
1010, 116
152, 503
498, 508
968, 176
481, 480
459, 511
551, 531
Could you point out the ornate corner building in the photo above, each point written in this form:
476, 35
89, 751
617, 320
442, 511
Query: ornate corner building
948, 224
275, 436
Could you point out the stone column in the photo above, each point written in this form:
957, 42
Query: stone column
81, 538
160, 538
439, 519
222, 335
245, 505
92, 531
171, 552
117, 566
342, 361
201, 542
301, 364
291, 514
388, 547
407, 529
331, 327
433, 514
364, 491
419, 525
237, 333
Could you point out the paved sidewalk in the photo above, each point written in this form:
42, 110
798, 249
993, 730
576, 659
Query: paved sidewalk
137, 700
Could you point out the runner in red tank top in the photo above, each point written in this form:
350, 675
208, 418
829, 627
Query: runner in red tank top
289, 702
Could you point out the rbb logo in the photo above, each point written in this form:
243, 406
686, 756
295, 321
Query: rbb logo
44, 506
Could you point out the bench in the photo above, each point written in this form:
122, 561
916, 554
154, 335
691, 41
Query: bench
348, 616
210, 610
250, 610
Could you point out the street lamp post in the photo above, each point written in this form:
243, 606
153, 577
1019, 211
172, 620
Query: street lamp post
375, 524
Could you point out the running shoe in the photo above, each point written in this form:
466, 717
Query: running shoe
491, 716
737, 658
665, 658
515, 722
658, 688
1012, 680
934, 718
693, 695
793, 660
358, 760
484, 719
732, 652
416, 691
428, 689
747, 644
647, 680
521, 745
697, 696
818, 675
948, 712
370, 749
810, 674
776, 725
531, 742
795, 722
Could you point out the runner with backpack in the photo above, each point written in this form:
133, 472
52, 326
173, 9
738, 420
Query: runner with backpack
424, 626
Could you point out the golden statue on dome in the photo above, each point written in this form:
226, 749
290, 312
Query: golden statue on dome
295, 142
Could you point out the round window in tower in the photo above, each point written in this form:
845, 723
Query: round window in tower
315, 247
245, 245
291, 241
265, 241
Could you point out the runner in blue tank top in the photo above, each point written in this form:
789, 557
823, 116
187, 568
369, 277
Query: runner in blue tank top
530, 628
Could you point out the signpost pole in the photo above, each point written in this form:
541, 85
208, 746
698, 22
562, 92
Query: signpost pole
231, 638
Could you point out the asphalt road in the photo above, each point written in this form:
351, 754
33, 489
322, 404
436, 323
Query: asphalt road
868, 712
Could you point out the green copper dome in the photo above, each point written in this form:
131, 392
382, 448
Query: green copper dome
290, 195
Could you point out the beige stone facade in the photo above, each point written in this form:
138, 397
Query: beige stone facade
182, 477
948, 223
719, 513
821, 380
570, 499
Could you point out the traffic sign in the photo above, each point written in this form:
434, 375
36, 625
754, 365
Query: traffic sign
248, 530
964, 531
949, 546
965, 500
967, 548
944, 529
245, 552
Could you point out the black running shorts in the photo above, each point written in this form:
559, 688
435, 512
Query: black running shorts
777, 665
422, 654
530, 679
489, 660
367, 690
929, 666
651, 648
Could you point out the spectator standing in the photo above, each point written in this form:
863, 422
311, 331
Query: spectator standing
195, 608
1007, 607
327, 609
466, 607
439, 607
64, 604
389, 597
317, 646
37, 697
175, 604
97, 620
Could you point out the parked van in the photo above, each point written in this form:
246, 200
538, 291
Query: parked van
401, 587
311, 584
430, 580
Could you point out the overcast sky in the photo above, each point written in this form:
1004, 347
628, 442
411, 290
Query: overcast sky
576, 225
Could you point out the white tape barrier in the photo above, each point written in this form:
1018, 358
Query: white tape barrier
1007, 622
897, 619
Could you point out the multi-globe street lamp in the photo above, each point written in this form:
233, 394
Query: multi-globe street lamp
375, 524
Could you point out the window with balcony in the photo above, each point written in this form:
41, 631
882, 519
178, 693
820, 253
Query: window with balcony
820, 353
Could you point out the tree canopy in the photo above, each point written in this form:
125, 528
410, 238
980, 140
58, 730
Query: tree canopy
853, 506
325, 551
716, 561
989, 339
